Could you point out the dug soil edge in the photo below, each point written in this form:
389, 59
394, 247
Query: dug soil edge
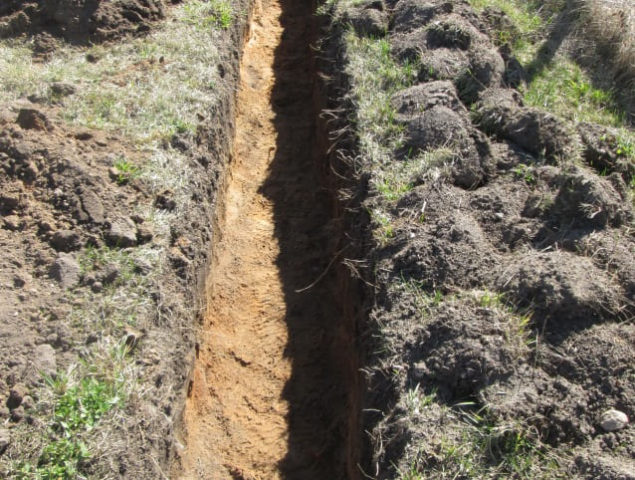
278, 397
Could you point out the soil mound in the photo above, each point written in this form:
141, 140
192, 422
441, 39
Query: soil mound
79, 20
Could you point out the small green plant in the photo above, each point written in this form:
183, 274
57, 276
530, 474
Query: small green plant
80, 406
425, 298
209, 14
491, 299
78, 409
417, 401
393, 190
625, 146
385, 230
94, 258
524, 172
126, 171
181, 126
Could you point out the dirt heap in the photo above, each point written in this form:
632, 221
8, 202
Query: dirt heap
501, 329
79, 20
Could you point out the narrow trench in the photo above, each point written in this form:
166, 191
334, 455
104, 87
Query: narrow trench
273, 394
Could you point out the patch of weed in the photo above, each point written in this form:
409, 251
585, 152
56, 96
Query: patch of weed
524, 17
209, 14
95, 258
489, 449
564, 89
384, 231
525, 173
416, 400
376, 76
78, 407
136, 88
126, 170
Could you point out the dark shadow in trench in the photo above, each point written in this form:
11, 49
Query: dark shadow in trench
317, 318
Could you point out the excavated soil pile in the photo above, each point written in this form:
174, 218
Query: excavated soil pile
505, 287
78, 21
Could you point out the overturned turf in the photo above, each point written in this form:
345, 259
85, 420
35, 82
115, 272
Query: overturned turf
502, 255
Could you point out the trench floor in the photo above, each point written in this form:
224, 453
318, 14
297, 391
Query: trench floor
267, 399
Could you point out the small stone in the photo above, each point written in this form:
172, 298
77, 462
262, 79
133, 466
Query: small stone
27, 402
46, 225
97, 287
66, 241
17, 414
613, 420
132, 337
122, 233
16, 394
30, 172
21, 279
31, 119
5, 440
4, 412
110, 274
63, 89
144, 233
45, 359
66, 270
142, 266
12, 222
83, 136
92, 205
35, 98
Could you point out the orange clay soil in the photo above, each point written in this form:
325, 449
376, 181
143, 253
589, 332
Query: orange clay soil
268, 399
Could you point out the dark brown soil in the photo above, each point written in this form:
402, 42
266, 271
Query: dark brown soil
78, 21
63, 204
516, 215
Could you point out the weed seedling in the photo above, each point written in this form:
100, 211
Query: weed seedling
126, 171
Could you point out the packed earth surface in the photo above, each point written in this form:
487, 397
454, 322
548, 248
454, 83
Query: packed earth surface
387, 239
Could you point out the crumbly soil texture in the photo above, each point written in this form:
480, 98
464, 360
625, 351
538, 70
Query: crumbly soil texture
476, 321
101, 276
78, 21
501, 330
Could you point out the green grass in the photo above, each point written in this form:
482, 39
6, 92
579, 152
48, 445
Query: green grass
417, 401
79, 405
525, 18
524, 172
564, 89
93, 258
516, 323
209, 14
384, 230
376, 76
558, 85
485, 448
146, 89
396, 179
